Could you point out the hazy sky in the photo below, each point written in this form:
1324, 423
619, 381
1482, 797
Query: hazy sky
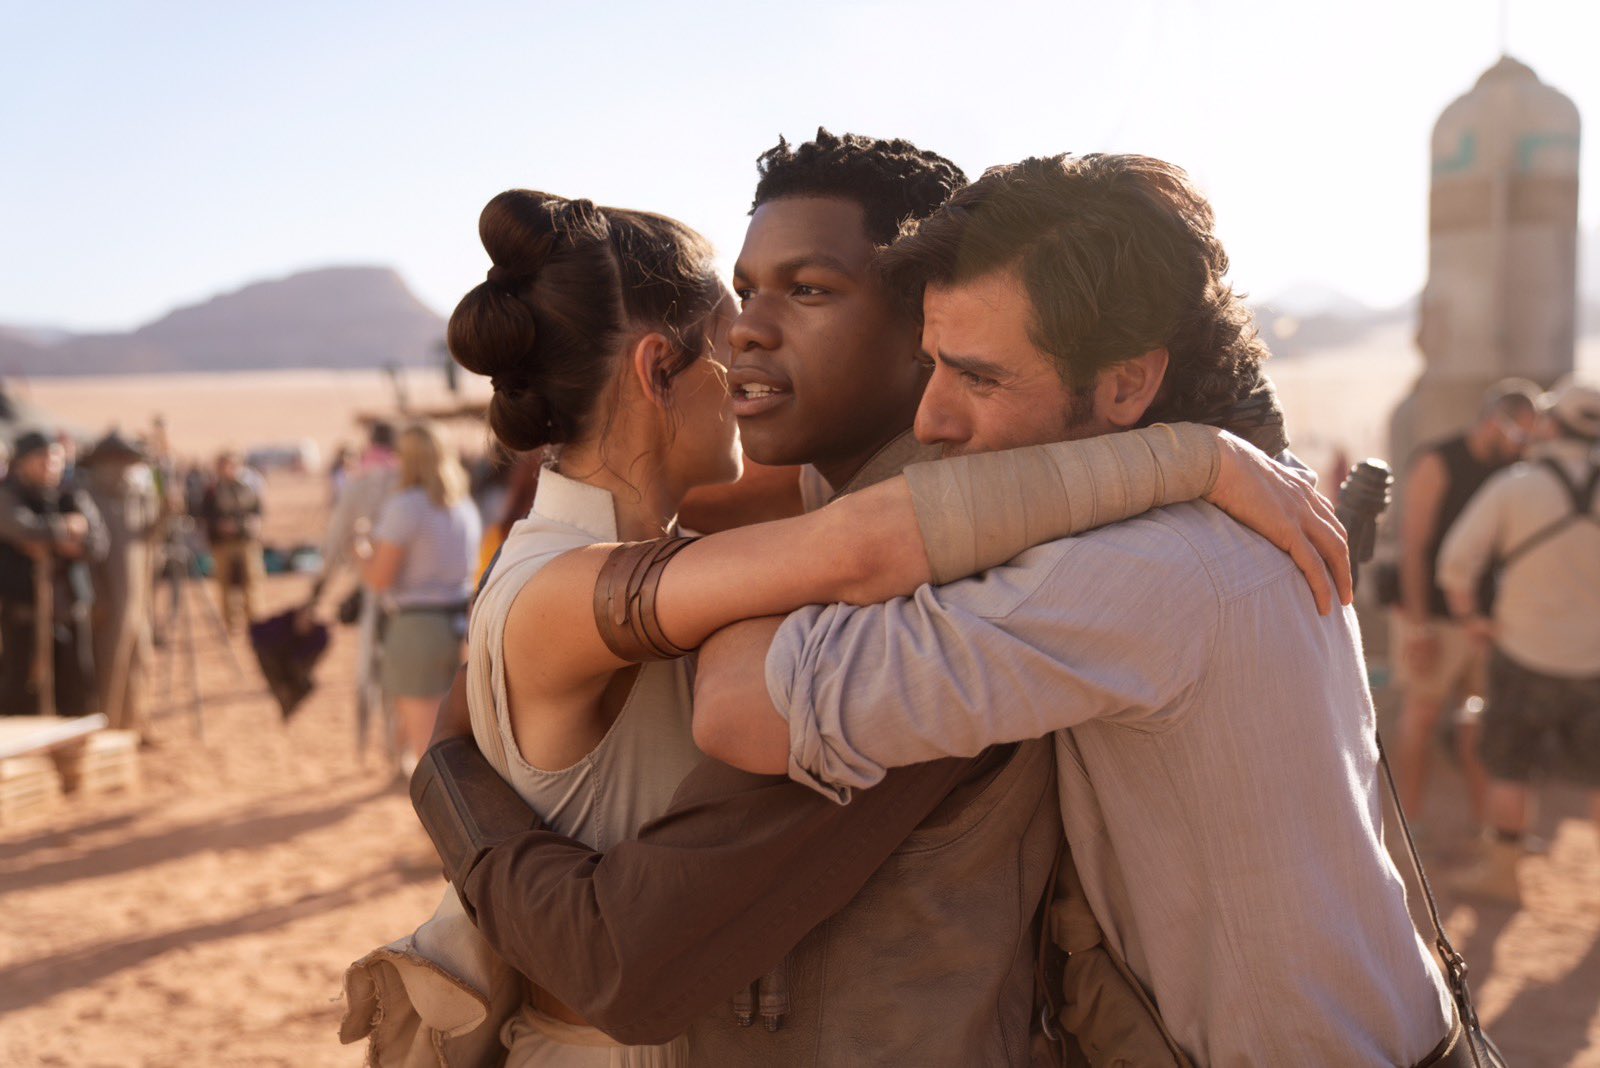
153, 154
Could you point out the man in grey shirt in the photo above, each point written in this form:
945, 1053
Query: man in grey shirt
1214, 735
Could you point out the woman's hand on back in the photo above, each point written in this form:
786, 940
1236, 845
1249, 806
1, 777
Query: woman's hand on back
1284, 507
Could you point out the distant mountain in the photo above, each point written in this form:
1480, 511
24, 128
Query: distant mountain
36, 335
337, 317
1310, 316
1304, 321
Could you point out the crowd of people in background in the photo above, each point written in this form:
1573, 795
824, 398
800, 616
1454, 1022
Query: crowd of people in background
84, 542
1498, 613
416, 524
95, 542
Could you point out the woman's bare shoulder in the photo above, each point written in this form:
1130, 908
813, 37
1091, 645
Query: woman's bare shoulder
556, 667
553, 613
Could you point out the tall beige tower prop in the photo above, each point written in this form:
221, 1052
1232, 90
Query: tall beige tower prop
1502, 257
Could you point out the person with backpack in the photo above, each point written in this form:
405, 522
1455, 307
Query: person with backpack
1537, 524
1436, 665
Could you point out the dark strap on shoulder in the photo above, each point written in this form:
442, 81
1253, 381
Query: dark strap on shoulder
1455, 966
1582, 499
1582, 496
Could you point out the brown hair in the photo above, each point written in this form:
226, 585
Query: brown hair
569, 281
1118, 257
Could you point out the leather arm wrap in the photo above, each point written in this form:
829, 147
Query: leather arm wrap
978, 511
625, 600
466, 807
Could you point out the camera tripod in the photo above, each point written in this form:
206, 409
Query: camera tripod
178, 576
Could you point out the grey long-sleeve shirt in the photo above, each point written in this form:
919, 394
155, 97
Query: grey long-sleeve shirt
1217, 762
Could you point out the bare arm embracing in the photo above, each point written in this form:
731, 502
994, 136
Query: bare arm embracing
937, 525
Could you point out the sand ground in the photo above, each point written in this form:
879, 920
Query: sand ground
207, 919
208, 412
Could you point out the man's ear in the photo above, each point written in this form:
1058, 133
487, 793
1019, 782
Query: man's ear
648, 361
1126, 389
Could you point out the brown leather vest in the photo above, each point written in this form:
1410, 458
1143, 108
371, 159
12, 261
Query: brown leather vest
932, 963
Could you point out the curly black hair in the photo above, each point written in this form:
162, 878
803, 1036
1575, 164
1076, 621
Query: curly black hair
893, 181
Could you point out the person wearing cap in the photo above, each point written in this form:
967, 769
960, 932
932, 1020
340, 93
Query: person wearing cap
117, 475
1436, 665
1537, 525
52, 531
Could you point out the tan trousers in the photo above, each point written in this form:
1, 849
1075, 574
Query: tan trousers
237, 567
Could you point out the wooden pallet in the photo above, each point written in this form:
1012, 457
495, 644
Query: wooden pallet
106, 762
29, 785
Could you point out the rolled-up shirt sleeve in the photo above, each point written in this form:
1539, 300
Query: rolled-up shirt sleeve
1472, 540
1083, 628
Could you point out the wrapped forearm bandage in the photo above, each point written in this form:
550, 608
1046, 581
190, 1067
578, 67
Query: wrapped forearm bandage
978, 511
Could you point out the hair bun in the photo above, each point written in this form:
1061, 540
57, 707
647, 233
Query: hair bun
521, 418
522, 229
567, 278
493, 332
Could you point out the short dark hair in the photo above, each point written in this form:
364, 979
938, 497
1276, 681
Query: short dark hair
893, 181
1118, 256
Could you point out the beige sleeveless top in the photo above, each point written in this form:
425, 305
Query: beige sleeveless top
629, 778
621, 784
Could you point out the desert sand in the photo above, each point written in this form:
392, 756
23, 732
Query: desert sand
207, 919
205, 413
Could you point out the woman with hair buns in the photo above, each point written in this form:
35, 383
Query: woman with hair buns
603, 332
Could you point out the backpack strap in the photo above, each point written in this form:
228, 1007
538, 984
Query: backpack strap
1581, 498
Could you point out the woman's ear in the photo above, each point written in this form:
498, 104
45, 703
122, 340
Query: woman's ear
650, 356
1126, 390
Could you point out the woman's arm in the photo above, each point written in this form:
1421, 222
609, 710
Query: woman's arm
380, 564
875, 544
380, 548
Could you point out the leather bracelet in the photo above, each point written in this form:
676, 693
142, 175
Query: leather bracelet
625, 600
